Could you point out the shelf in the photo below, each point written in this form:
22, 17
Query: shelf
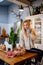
1, 37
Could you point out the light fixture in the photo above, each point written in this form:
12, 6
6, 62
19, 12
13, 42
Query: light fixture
1, 0
21, 8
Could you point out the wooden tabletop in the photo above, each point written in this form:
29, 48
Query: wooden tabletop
13, 61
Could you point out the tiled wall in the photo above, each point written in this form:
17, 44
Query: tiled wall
3, 17
3, 14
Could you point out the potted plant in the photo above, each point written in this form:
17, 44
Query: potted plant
13, 37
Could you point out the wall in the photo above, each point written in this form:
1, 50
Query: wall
4, 17
3, 14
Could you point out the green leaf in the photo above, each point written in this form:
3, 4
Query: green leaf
13, 37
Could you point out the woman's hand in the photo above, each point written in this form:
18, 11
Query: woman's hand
28, 32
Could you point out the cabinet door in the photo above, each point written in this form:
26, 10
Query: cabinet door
37, 27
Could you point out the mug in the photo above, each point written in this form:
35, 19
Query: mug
28, 31
17, 45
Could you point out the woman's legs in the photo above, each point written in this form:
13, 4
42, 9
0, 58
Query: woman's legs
40, 54
1, 62
38, 60
28, 62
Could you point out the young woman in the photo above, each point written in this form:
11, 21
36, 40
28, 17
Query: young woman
27, 37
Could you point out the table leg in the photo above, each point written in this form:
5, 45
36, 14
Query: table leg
28, 62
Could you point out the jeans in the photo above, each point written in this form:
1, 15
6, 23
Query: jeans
39, 52
1, 62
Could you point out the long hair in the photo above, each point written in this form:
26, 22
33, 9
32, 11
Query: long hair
28, 23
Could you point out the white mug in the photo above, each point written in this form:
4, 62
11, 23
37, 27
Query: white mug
17, 45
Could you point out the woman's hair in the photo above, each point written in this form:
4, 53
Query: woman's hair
28, 22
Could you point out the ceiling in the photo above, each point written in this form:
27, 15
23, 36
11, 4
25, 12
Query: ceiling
19, 2
5, 3
31, 0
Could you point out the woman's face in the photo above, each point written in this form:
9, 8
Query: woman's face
26, 26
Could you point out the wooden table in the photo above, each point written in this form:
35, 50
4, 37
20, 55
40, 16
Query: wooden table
13, 61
